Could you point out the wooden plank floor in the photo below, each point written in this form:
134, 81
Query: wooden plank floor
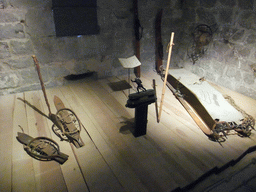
174, 153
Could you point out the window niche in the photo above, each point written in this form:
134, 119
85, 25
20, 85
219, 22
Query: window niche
77, 17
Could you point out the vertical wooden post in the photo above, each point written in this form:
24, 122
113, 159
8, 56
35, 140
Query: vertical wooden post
166, 74
138, 34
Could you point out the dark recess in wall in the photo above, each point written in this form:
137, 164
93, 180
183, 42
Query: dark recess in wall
74, 18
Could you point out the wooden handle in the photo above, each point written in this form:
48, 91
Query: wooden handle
166, 74
41, 82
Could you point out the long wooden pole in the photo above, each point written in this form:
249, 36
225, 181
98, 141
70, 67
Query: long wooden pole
156, 106
166, 74
41, 82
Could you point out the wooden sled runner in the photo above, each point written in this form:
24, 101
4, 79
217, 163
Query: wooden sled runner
209, 109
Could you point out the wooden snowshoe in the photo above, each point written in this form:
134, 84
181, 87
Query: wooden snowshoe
71, 126
42, 148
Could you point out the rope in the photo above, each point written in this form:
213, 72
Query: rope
246, 115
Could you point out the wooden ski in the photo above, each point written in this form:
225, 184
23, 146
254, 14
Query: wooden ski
138, 35
158, 38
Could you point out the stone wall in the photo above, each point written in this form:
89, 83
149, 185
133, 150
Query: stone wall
27, 28
230, 58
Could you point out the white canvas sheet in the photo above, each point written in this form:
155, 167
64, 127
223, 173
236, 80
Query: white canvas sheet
213, 101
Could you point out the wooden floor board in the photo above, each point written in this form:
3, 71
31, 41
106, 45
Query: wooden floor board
107, 126
94, 159
6, 140
23, 175
107, 99
47, 174
152, 122
92, 128
173, 153
73, 176
198, 154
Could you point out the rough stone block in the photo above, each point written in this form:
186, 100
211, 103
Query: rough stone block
189, 15
225, 82
1, 4
30, 76
238, 76
82, 66
20, 62
21, 47
208, 3
46, 49
4, 50
225, 15
230, 58
243, 52
29, 3
247, 20
24, 88
248, 78
204, 64
206, 17
221, 48
218, 67
198, 71
9, 80
93, 46
10, 31
245, 65
246, 91
210, 76
238, 35
253, 67
251, 39
40, 23
230, 3
59, 71
245, 4
190, 3
233, 73
11, 15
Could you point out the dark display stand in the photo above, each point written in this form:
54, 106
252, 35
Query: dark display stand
140, 102
141, 120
